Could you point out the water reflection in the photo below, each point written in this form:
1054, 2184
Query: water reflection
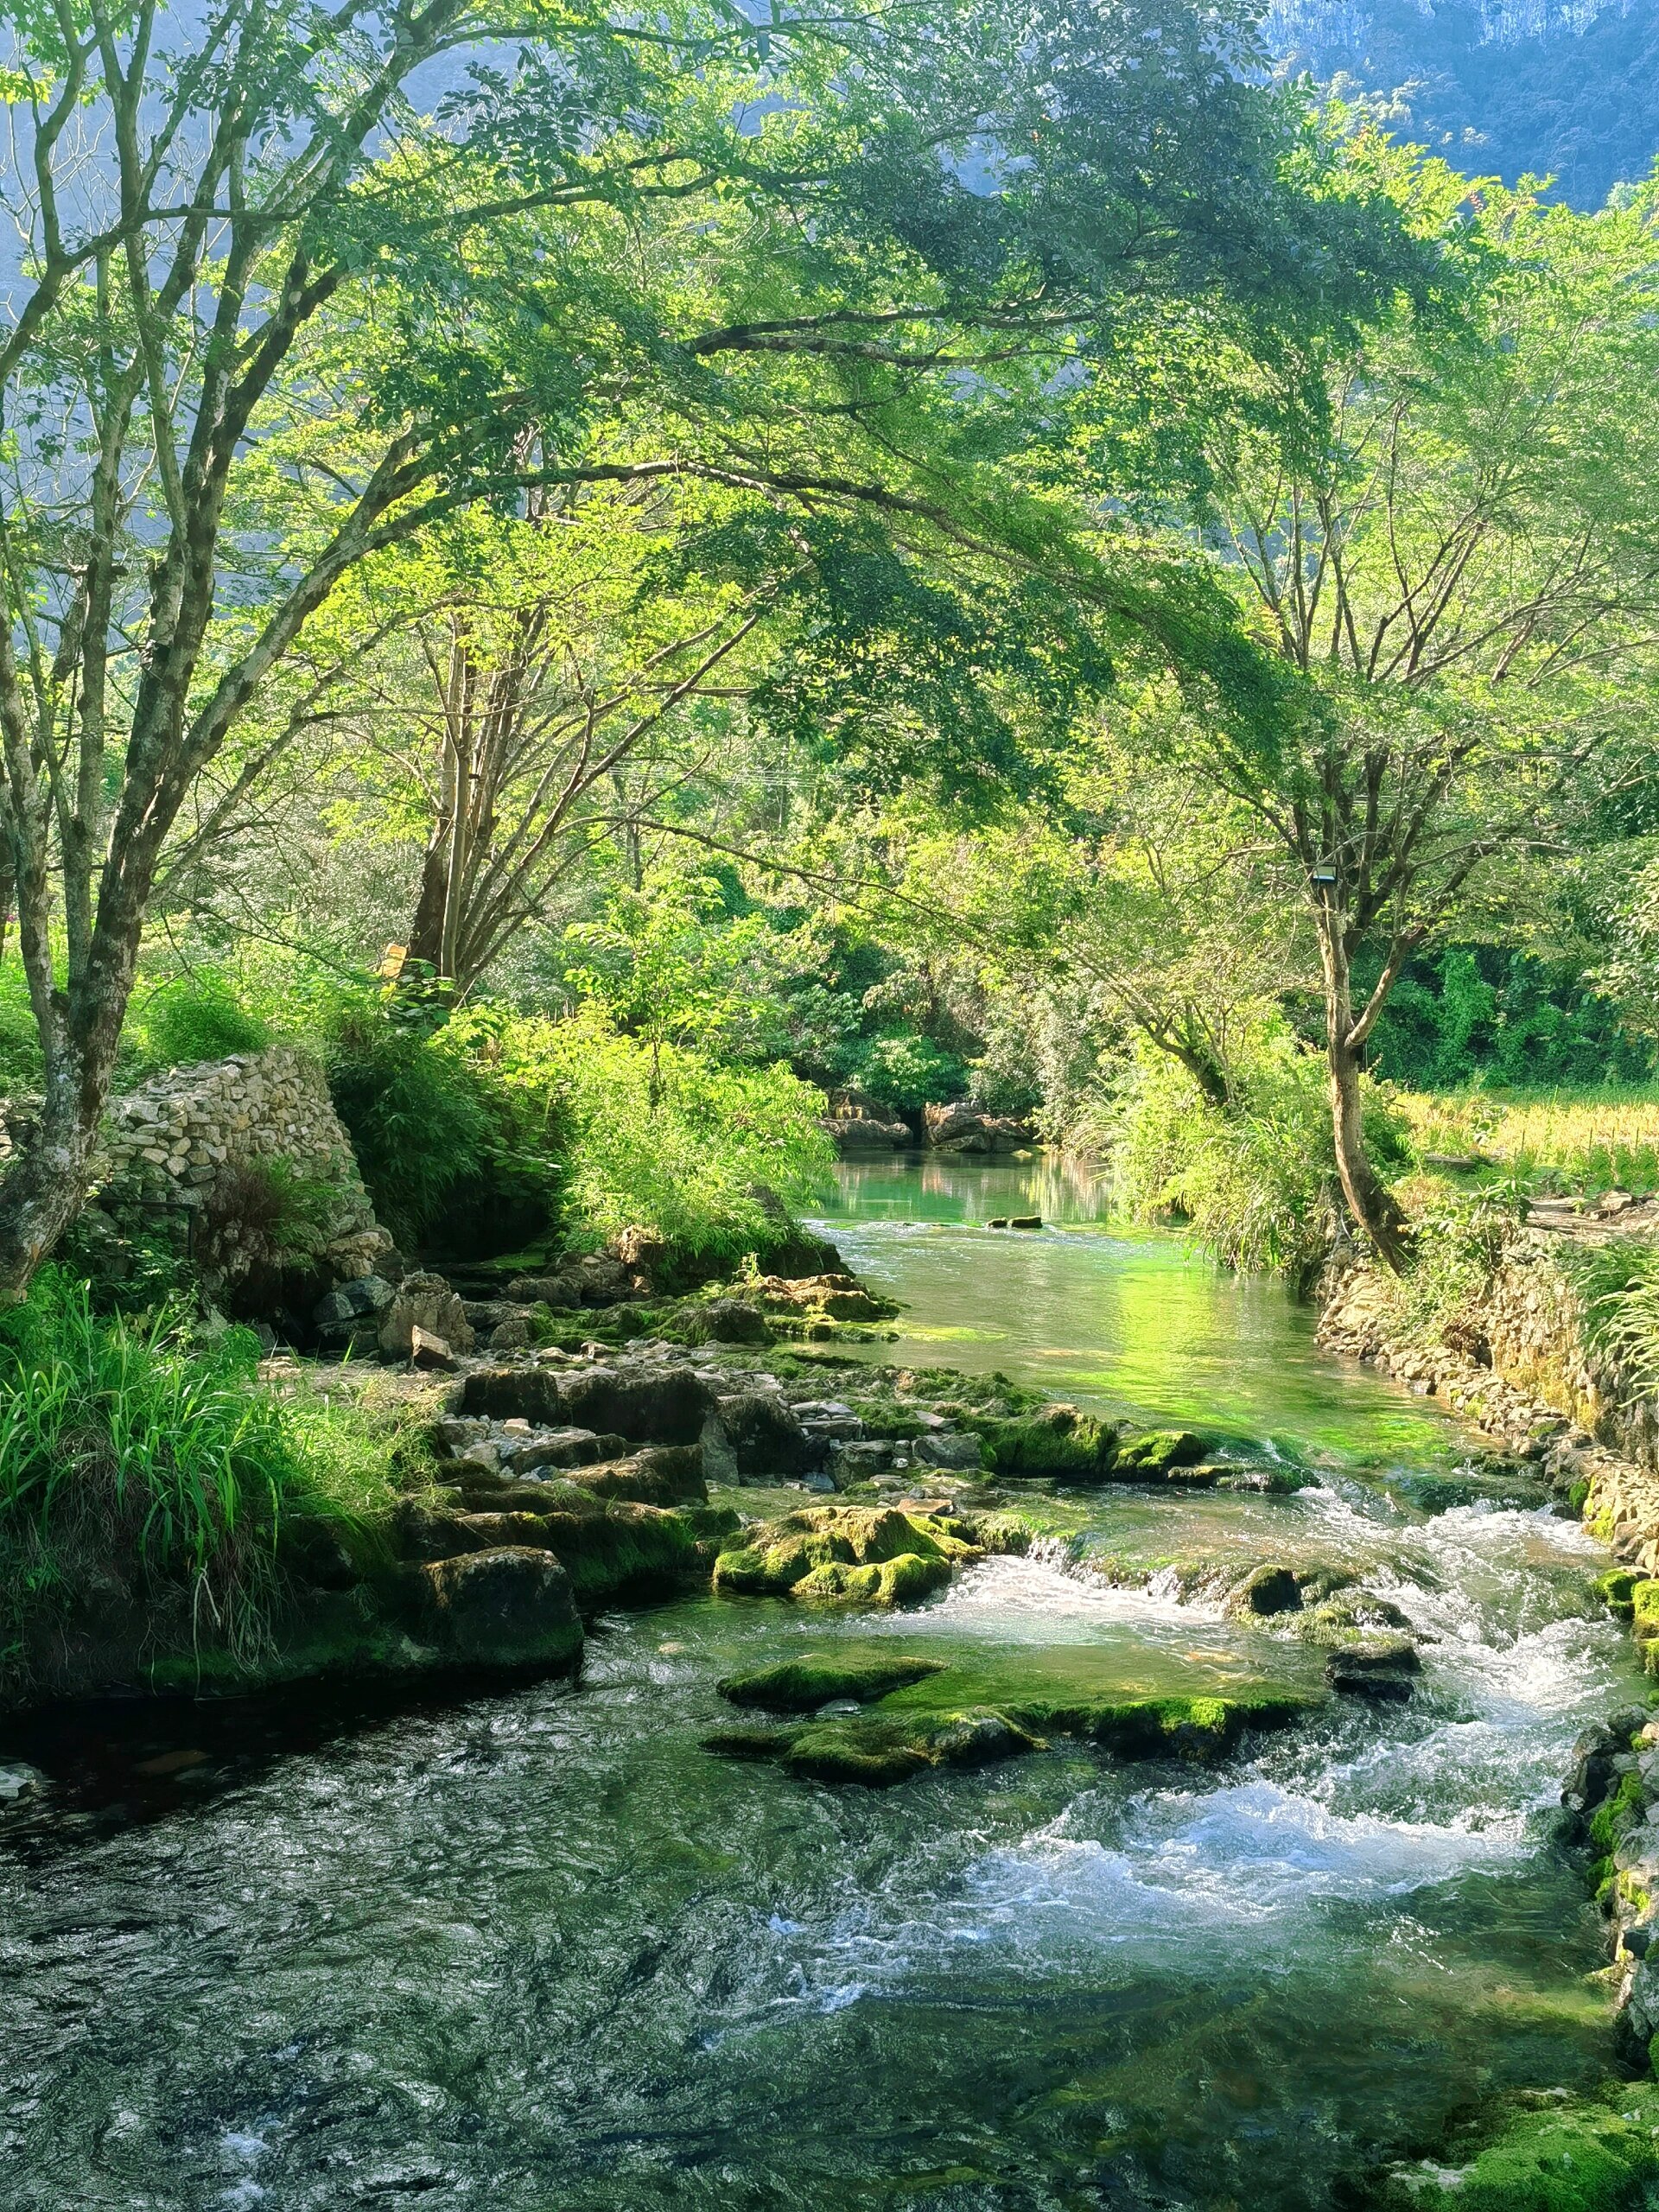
1135, 1322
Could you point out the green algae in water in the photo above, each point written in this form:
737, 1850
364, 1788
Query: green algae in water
1130, 1323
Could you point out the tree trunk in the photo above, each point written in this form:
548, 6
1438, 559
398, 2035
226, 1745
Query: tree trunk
1369, 1201
45, 1187
426, 929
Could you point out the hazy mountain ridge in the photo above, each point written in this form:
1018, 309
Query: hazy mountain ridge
1571, 92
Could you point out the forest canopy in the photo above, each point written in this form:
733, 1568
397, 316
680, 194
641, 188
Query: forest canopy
1000, 554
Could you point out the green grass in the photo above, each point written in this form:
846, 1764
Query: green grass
147, 1480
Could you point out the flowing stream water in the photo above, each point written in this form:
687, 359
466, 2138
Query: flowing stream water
538, 1952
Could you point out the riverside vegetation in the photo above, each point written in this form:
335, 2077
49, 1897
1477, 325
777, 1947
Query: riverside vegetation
615, 630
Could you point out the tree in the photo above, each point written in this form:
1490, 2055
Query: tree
275, 320
1452, 531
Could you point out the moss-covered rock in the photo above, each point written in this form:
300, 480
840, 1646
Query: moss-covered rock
1266, 1590
964, 1714
1056, 1443
870, 1555
1565, 2154
1379, 1666
1615, 1590
611, 1547
876, 1752
1159, 1452
802, 1685
1622, 1809
662, 1474
1273, 1589
511, 1606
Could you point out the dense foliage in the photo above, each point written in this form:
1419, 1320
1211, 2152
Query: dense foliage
720, 569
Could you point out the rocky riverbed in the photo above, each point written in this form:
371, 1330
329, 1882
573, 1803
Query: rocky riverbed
930, 1781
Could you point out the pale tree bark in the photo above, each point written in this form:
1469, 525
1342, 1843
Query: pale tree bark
165, 317
530, 747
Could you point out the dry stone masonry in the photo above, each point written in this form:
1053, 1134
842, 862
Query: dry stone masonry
1517, 1367
197, 1143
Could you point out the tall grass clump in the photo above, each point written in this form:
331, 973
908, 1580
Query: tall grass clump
142, 1475
1618, 1286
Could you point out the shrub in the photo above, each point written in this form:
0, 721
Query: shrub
708, 1156
906, 1073
269, 1200
1258, 1183
414, 1112
1456, 1243
1617, 1284
195, 1017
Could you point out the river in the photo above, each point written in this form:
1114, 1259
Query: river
538, 1953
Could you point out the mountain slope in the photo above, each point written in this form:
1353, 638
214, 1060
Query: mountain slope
1572, 93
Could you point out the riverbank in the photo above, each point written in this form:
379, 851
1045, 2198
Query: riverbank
1516, 1358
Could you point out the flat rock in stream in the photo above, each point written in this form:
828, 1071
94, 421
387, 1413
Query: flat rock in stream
999, 1705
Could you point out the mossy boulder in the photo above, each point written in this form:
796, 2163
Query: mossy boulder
859, 1554
1159, 1452
610, 1546
816, 1677
876, 1752
613, 1546
662, 1474
723, 1321
1645, 1621
1377, 1666
1566, 2154
1273, 1589
512, 1606
1056, 1443
964, 1714
1617, 1589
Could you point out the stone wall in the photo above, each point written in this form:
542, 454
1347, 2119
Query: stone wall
189, 1147
1515, 1364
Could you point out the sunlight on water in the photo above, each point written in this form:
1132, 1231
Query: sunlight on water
1136, 1321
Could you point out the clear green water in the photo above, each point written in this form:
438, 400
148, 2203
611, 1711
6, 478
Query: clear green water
1128, 1320
538, 1953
